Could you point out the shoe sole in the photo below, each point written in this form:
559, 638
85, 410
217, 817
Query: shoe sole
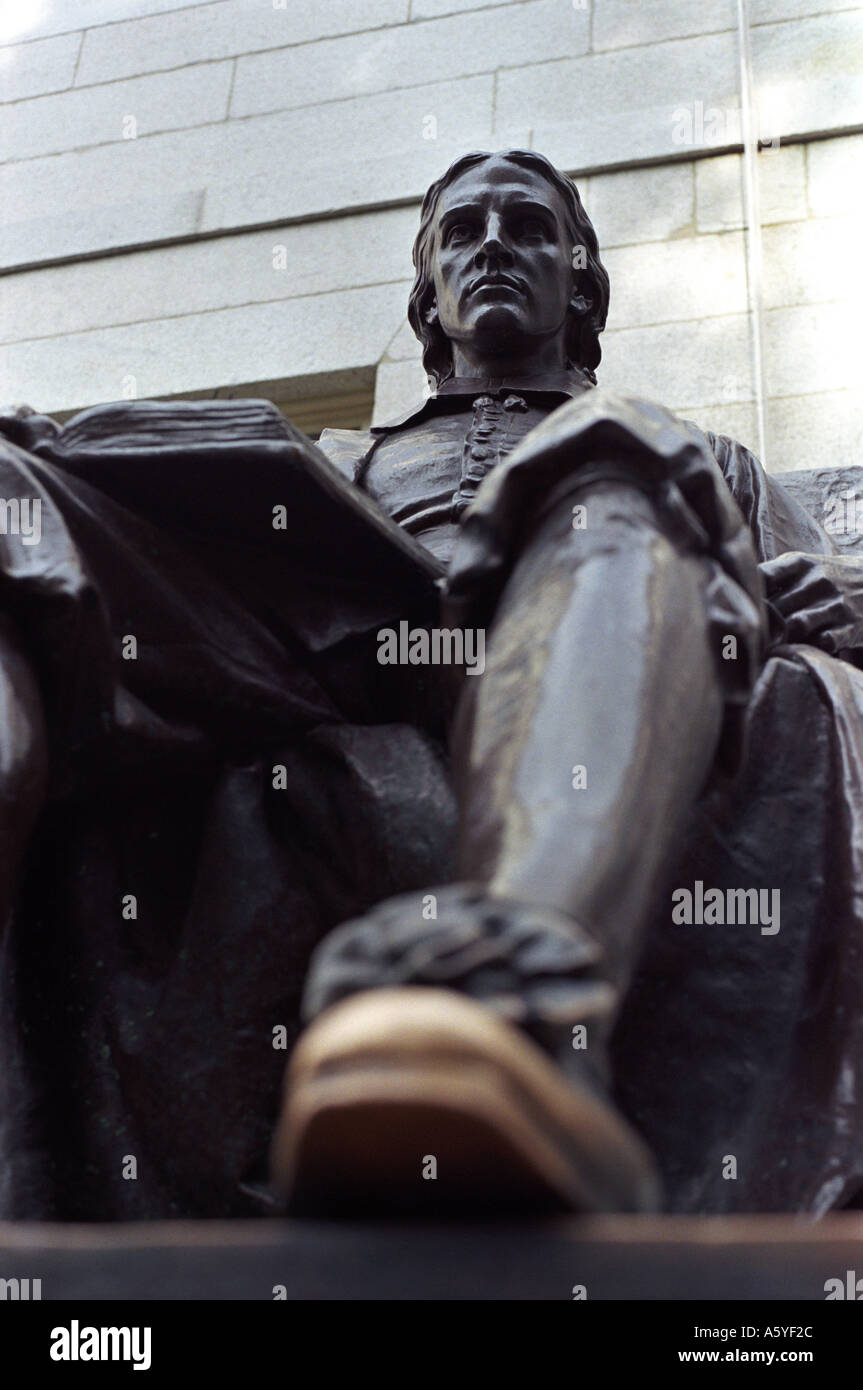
415, 1100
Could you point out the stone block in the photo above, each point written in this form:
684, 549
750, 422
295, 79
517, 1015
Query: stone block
705, 362
31, 21
433, 9
378, 143
118, 112
404, 345
398, 386
375, 143
823, 430
719, 193
632, 206
690, 278
813, 261
398, 57
769, 11
807, 74
719, 186
85, 230
193, 278
626, 23
782, 183
643, 103
222, 30
283, 340
31, 69
834, 183
815, 347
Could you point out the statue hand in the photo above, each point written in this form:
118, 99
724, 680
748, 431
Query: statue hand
817, 599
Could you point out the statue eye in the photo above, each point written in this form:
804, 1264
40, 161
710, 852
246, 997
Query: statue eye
532, 227
460, 231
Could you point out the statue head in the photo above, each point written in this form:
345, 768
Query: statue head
507, 266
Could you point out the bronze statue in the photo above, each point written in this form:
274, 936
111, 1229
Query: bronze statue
584, 916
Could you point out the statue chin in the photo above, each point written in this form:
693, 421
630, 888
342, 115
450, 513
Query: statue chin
499, 328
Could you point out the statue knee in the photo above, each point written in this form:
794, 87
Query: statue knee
604, 517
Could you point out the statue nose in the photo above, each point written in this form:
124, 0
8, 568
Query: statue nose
494, 250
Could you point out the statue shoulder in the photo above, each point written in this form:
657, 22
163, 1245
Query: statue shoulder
741, 469
777, 518
346, 449
733, 457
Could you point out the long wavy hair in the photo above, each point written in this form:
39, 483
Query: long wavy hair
582, 339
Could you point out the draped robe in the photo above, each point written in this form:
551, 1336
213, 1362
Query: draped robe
245, 775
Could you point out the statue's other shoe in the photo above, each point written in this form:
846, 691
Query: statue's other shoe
412, 1098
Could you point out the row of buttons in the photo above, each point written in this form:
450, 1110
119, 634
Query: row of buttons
480, 453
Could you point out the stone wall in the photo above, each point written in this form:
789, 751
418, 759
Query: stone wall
221, 197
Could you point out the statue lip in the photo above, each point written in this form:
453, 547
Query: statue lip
495, 280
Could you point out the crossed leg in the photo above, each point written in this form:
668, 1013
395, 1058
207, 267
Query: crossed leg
578, 754
581, 749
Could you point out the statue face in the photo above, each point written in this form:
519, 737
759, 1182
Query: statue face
503, 273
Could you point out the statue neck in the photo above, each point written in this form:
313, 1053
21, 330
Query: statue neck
548, 356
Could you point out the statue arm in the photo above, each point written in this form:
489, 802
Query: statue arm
814, 592
777, 521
